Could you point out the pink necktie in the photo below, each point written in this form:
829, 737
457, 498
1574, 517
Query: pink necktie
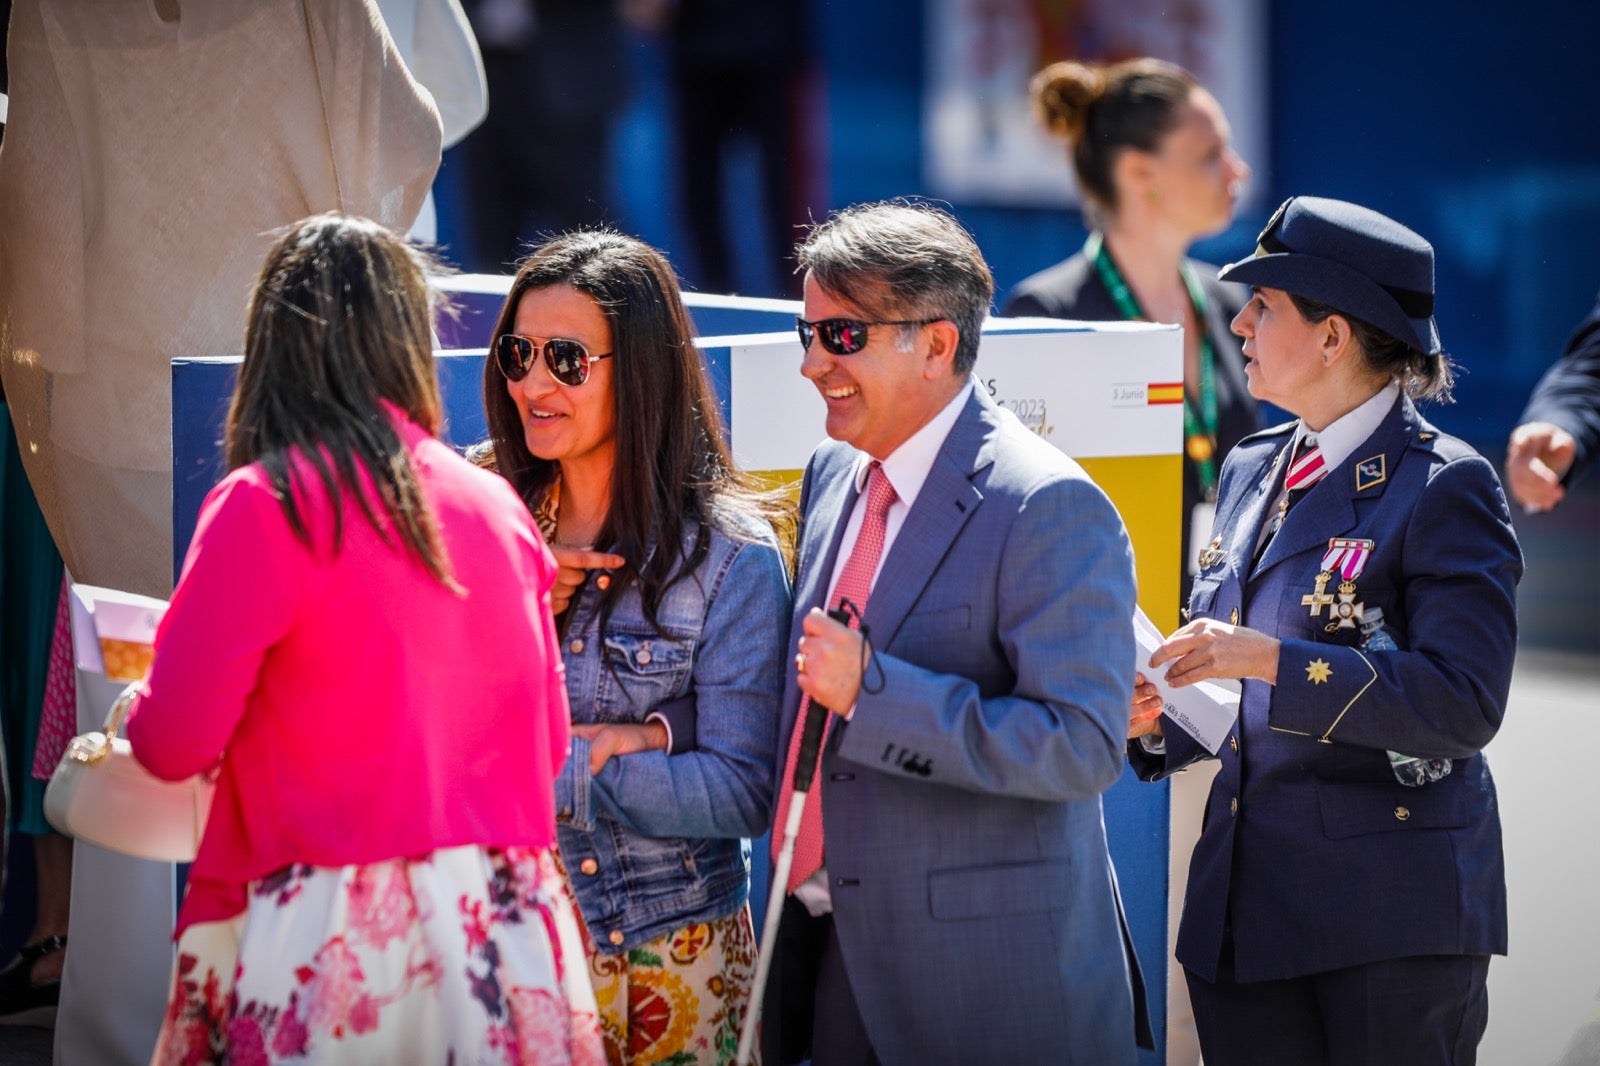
855, 584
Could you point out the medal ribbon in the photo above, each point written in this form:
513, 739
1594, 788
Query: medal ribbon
1347, 556
1199, 426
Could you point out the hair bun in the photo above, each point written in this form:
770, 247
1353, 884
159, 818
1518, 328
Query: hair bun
1062, 95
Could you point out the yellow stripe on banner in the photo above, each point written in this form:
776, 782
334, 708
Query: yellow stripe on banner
789, 480
1146, 490
1164, 393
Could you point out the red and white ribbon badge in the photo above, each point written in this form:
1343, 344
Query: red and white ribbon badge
1347, 556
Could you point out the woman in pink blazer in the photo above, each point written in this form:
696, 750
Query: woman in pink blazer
375, 883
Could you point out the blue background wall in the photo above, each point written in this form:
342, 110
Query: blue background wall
1474, 124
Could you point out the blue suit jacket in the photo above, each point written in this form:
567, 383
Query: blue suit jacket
1569, 394
974, 901
1320, 856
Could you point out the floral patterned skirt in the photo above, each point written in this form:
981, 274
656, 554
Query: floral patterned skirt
467, 955
680, 999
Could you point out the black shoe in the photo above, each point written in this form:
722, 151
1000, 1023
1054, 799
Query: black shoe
21, 1001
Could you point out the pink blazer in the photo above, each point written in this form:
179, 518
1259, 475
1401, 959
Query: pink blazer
356, 709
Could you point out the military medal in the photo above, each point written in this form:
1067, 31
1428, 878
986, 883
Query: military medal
1347, 613
1346, 556
1318, 598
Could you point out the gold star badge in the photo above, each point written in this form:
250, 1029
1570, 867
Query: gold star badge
1318, 671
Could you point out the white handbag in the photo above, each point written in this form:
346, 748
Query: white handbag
100, 794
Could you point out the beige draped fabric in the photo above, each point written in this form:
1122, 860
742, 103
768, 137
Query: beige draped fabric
152, 148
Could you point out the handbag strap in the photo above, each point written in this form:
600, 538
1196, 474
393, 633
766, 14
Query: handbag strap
119, 710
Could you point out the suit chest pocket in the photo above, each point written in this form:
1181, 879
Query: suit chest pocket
1338, 612
641, 671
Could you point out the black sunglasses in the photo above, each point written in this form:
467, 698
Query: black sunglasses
845, 336
567, 360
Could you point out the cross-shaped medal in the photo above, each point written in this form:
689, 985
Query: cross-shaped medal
1318, 598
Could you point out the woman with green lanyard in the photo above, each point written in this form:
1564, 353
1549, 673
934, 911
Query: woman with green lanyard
1156, 171
1150, 148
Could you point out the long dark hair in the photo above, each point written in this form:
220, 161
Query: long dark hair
340, 321
672, 465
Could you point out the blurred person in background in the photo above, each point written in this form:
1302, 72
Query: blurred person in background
376, 881
435, 39
1558, 436
1349, 886
557, 73
1157, 172
735, 67
129, 234
673, 602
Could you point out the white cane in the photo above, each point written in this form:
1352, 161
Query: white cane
769, 928
805, 769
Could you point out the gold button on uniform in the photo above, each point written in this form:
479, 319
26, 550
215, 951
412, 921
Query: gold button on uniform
616, 937
1233, 619
576, 647
1233, 742
1402, 813
1233, 805
589, 866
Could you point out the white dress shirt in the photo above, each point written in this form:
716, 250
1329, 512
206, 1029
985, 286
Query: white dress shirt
907, 469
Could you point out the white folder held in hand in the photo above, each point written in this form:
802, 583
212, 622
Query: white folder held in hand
1205, 710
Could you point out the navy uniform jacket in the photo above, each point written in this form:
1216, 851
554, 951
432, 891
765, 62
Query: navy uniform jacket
1322, 858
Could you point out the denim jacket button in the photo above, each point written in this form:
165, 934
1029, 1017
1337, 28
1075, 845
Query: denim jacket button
589, 866
576, 647
643, 657
616, 937
603, 582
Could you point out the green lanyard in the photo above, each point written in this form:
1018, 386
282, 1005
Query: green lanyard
1199, 428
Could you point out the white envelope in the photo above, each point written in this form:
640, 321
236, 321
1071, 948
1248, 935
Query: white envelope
1205, 710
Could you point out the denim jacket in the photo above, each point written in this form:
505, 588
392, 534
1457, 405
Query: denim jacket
653, 842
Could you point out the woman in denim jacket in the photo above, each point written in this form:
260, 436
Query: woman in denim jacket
601, 415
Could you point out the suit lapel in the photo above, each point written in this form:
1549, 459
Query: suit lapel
1329, 508
945, 504
1247, 518
819, 552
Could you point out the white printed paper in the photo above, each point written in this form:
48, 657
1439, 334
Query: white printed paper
111, 621
1205, 710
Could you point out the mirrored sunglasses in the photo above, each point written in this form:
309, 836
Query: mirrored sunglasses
845, 336
567, 360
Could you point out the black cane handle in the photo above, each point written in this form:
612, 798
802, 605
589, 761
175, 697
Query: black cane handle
805, 766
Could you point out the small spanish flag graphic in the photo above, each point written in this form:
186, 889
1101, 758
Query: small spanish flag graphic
1165, 392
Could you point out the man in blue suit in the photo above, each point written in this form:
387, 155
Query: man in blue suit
958, 904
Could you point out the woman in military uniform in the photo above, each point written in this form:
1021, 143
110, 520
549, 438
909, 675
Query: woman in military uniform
1349, 886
